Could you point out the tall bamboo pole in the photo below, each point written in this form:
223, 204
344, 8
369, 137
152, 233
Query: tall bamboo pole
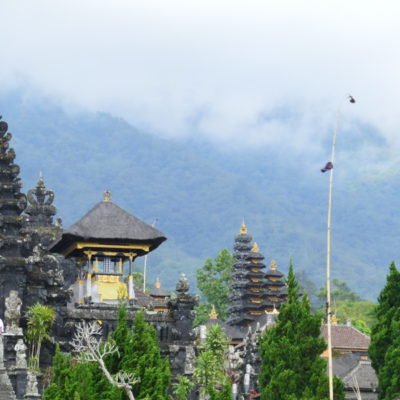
328, 254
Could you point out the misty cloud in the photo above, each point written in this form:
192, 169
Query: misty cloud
234, 72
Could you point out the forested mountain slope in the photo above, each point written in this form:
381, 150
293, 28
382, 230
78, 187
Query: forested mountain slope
199, 194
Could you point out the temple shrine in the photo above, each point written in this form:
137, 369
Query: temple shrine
254, 292
105, 243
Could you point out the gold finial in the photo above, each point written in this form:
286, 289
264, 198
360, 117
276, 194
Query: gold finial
213, 314
273, 265
255, 248
107, 196
157, 285
243, 228
334, 319
275, 311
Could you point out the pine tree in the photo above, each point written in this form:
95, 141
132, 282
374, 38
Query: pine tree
389, 373
144, 360
139, 353
382, 335
291, 363
210, 372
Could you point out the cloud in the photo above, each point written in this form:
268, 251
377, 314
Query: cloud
235, 72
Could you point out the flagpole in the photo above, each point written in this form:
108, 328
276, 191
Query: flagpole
328, 253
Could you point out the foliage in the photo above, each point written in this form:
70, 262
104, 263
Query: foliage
182, 388
389, 373
384, 345
348, 305
72, 380
139, 354
40, 319
290, 352
361, 313
210, 372
213, 280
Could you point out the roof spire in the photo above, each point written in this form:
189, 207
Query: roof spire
157, 285
255, 248
273, 265
213, 314
107, 196
243, 228
40, 182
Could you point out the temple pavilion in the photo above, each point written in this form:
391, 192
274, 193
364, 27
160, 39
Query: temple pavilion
105, 242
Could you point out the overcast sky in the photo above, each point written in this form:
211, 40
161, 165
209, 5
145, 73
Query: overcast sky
243, 72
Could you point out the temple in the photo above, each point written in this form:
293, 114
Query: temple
254, 292
105, 243
86, 271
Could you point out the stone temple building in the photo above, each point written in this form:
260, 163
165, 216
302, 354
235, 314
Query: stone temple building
82, 272
85, 271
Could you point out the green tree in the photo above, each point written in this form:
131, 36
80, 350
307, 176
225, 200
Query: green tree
389, 373
142, 357
40, 319
291, 363
388, 303
384, 346
139, 354
214, 280
348, 305
71, 380
183, 388
210, 372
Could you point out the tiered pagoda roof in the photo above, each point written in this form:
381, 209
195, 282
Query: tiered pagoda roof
12, 201
254, 291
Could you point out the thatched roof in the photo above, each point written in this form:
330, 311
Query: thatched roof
108, 222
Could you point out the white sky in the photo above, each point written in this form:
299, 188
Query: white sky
231, 71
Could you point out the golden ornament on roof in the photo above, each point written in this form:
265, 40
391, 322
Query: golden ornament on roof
255, 248
213, 314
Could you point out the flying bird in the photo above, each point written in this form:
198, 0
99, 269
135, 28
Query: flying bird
327, 167
351, 99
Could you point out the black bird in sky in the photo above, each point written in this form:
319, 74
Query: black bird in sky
327, 167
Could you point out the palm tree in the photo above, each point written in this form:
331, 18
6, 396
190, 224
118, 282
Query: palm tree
40, 320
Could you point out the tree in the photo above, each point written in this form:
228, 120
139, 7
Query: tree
389, 373
388, 303
142, 357
291, 363
182, 388
90, 349
210, 372
40, 320
384, 346
348, 305
214, 280
71, 380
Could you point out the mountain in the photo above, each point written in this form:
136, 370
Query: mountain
199, 193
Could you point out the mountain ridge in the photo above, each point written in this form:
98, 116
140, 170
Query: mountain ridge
199, 194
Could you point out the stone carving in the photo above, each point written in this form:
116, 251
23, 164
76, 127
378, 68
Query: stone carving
20, 350
31, 385
183, 285
13, 313
189, 360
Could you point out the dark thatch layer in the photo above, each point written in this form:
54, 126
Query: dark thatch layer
108, 222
